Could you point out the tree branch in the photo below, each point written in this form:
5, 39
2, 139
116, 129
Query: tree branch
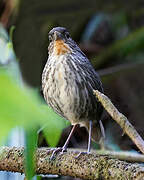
121, 120
87, 166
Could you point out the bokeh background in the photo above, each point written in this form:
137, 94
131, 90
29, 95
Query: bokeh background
110, 33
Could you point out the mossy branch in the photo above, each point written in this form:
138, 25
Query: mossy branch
121, 120
87, 166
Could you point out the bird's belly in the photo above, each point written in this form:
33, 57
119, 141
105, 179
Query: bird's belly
67, 94
65, 99
63, 96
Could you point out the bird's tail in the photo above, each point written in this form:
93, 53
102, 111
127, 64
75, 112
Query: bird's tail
97, 132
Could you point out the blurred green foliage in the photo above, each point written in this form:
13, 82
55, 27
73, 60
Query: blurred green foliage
31, 144
22, 106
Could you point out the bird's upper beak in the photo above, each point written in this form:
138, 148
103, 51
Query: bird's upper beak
57, 35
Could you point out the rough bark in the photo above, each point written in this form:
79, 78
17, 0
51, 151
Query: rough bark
121, 120
87, 166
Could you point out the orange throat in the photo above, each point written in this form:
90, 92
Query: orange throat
60, 48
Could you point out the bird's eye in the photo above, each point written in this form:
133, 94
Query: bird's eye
50, 38
67, 35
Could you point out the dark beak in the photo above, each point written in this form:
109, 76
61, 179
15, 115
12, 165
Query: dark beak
57, 35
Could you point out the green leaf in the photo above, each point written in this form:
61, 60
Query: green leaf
56, 129
31, 144
21, 106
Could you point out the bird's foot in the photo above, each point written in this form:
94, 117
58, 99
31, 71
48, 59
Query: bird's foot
57, 150
80, 153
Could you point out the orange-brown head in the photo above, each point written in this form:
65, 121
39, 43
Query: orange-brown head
60, 41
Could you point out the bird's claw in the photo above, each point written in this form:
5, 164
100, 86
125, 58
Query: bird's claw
57, 150
80, 153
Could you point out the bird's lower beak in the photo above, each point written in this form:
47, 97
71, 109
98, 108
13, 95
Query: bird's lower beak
57, 35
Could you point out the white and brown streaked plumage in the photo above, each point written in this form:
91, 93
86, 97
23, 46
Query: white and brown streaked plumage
68, 81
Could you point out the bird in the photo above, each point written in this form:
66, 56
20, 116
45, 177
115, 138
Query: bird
68, 81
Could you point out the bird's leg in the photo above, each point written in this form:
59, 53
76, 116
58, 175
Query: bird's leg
69, 137
62, 149
89, 141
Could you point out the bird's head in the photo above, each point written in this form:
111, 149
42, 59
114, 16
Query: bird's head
59, 33
60, 41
